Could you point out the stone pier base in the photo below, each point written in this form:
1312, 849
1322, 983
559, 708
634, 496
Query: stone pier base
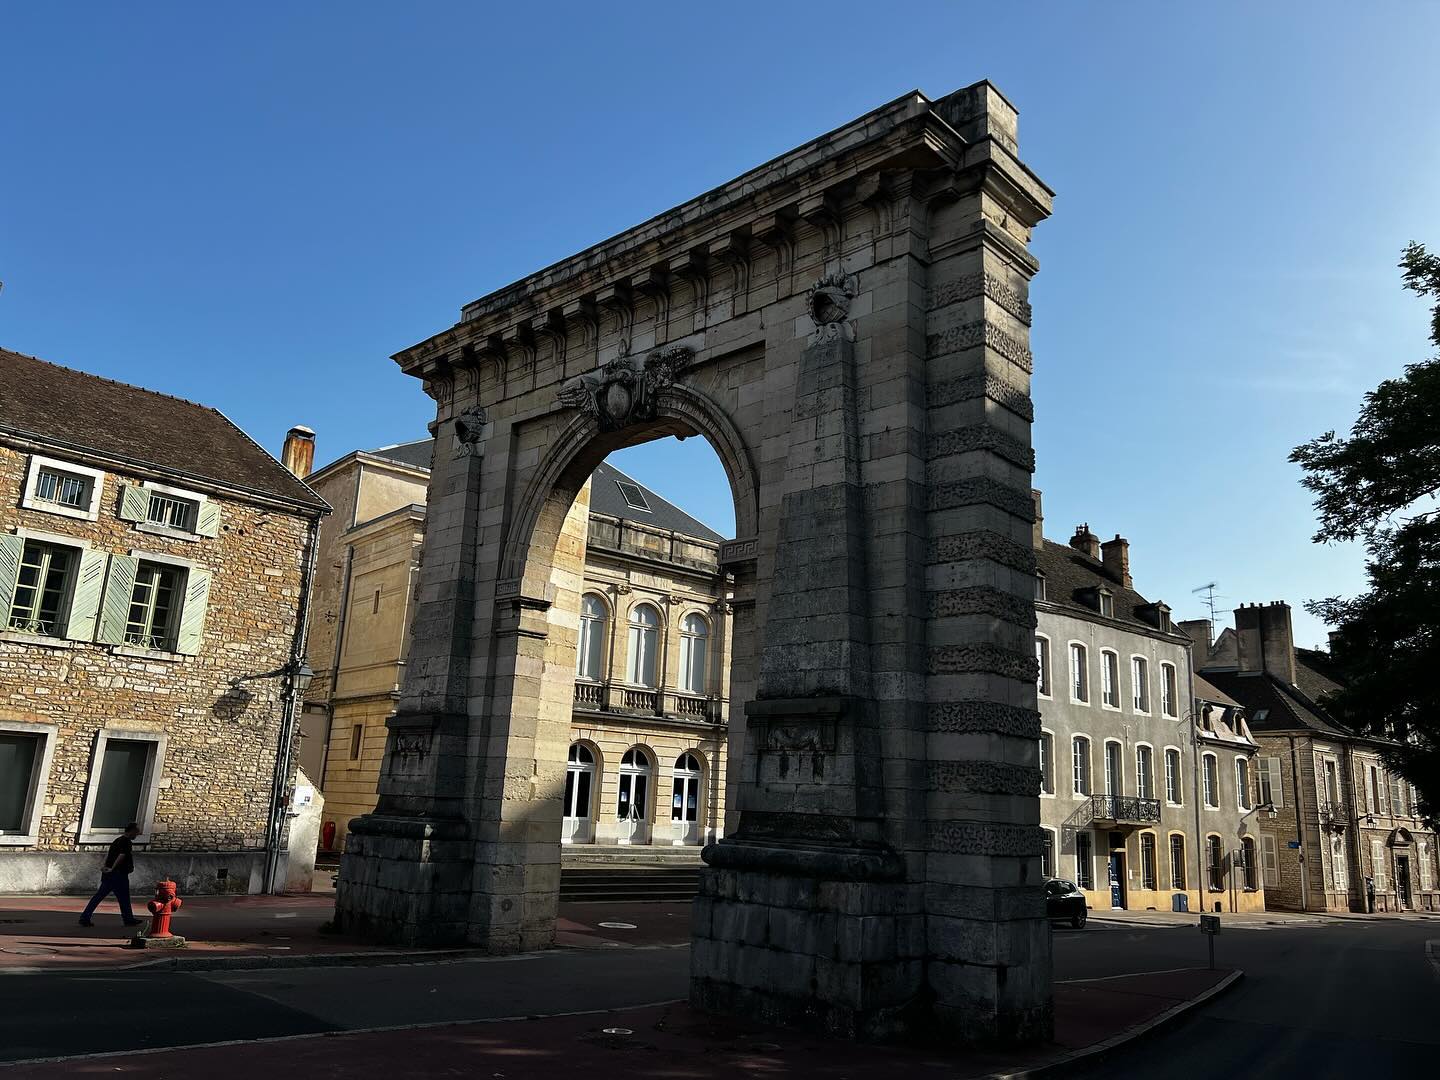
405, 881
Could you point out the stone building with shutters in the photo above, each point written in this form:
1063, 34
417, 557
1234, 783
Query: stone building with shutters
1340, 816
1147, 790
647, 755
155, 565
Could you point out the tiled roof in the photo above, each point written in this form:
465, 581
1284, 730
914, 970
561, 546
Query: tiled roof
1272, 706
608, 497
68, 408
1069, 571
1208, 691
416, 453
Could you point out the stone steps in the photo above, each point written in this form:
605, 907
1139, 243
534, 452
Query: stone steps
597, 884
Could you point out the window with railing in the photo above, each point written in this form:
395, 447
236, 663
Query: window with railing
154, 605
590, 650
171, 512
694, 651
45, 579
62, 488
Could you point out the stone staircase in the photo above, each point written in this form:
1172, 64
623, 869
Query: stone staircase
619, 875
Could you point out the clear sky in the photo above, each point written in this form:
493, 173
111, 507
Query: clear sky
253, 206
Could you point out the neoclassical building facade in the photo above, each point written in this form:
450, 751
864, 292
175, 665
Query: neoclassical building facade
647, 757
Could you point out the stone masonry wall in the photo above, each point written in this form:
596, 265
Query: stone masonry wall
214, 789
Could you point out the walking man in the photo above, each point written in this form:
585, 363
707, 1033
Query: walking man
115, 877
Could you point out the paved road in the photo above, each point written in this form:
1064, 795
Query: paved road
1344, 1000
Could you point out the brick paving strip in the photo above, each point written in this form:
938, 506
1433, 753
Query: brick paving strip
661, 1041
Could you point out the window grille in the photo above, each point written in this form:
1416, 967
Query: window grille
62, 489
153, 607
171, 512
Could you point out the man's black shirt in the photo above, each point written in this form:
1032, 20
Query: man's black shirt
119, 858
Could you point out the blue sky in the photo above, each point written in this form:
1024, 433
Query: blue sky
255, 206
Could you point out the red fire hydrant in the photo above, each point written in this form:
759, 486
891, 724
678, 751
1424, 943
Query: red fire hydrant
165, 904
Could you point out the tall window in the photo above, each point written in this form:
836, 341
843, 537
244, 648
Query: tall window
1042, 661
1114, 770
685, 798
1107, 605
1080, 755
1332, 785
1215, 863
1144, 772
1148, 871
644, 622
579, 780
694, 649
1079, 674
1242, 783
1084, 860
1173, 788
1047, 763
1270, 852
1109, 679
1047, 853
1140, 680
47, 574
154, 606
633, 795
590, 651
1267, 776
1169, 690
19, 754
1372, 789
123, 771
1177, 861
1039, 586
1252, 874
1210, 774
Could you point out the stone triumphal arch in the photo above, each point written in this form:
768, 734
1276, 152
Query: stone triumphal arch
848, 327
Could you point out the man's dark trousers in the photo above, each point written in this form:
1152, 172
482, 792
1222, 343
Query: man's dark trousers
117, 883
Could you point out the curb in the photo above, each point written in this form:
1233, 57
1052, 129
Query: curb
253, 961
1090, 1055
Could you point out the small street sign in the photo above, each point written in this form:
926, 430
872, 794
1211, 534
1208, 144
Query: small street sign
1209, 924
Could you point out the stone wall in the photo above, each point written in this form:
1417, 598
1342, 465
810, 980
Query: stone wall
213, 794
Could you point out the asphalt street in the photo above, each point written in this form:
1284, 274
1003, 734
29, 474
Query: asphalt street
1341, 999
1346, 999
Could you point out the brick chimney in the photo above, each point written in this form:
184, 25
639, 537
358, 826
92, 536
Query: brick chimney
1115, 554
1200, 632
1037, 531
299, 453
1086, 541
1266, 640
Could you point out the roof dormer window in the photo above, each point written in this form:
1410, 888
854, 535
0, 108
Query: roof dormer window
1107, 603
1039, 586
633, 496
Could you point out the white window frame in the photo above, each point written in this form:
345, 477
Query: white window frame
1139, 792
187, 565
30, 501
1242, 789
1169, 689
1054, 840
688, 654
1043, 762
1044, 658
1209, 794
1214, 871
48, 734
1269, 861
1179, 776
1114, 777
1153, 884
587, 628
58, 641
1140, 687
149, 786
1085, 875
1089, 767
1183, 865
1112, 675
635, 646
198, 498
1071, 646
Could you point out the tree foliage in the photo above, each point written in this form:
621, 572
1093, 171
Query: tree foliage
1379, 485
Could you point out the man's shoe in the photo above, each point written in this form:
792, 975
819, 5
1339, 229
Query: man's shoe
133, 922
86, 922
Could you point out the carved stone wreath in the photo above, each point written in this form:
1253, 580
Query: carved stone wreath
470, 429
829, 299
625, 391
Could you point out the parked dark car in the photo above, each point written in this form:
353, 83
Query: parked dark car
1064, 901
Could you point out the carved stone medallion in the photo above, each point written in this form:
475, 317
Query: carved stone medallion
625, 390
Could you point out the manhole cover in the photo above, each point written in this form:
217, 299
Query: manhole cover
618, 925
618, 1031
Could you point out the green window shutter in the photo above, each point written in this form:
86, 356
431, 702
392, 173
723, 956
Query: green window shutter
207, 520
12, 547
192, 615
85, 600
115, 605
134, 502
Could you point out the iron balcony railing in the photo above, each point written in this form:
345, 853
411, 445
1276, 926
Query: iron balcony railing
1124, 808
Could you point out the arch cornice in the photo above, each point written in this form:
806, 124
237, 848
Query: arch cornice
582, 439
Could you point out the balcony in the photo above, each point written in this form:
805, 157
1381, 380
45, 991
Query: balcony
1124, 810
1333, 815
611, 697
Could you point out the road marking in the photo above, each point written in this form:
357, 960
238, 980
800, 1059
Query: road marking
1127, 975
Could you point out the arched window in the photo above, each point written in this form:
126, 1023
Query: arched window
685, 798
590, 652
1177, 861
579, 781
1242, 783
1114, 770
1080, 757
1247, 852
694, 649
1210, 776
1145, 772
644, 621
1079, 673
1148, 873
1215, 863
1109, 679
1140, 683
634, 794
1173, 792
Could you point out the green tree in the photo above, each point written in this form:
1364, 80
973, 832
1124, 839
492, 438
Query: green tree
1379, 486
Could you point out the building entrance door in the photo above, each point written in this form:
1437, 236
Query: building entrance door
578, 826
1117, 880
685, 801
632, 807
1402, 879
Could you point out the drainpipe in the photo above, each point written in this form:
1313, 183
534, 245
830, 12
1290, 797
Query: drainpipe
275, 828
1299, 825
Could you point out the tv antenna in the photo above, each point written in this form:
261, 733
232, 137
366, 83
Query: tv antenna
1209, 590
